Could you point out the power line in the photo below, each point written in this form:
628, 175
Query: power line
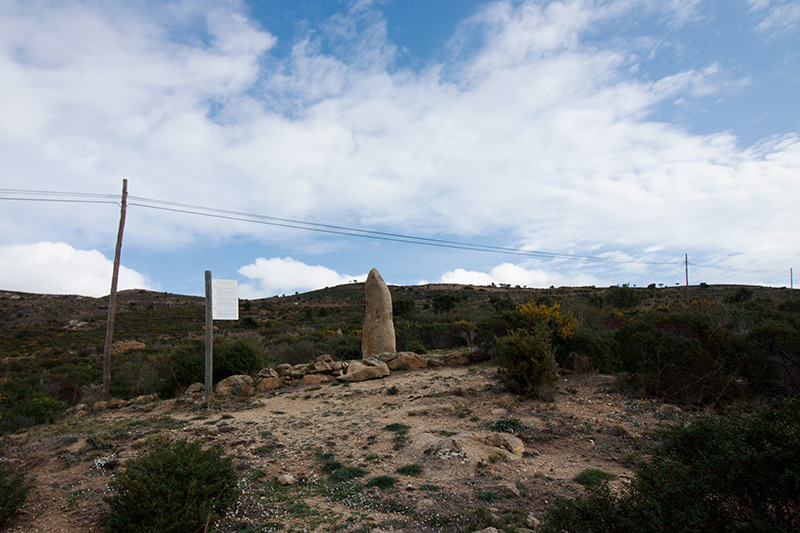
176, 207
357, 232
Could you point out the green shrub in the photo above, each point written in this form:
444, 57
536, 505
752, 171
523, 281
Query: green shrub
178, 487
527, 361
682, 357
592, 476
592, 349
416, 347
508, 424
410, 470
736, 473
382, 482
347, 473
623, 297
14, 490
236, 356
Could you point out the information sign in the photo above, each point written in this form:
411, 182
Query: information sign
224, 299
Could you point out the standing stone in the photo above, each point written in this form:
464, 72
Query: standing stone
378, 334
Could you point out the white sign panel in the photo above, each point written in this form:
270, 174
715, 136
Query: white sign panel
224, 299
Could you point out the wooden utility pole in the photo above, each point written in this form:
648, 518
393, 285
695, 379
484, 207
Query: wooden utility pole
112, 296
686, 267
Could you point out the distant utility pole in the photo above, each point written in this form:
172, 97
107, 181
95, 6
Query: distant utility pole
686, 267
112, 296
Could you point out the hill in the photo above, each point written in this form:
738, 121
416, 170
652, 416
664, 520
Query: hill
636, 357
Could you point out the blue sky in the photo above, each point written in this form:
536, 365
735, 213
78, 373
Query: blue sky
615, 136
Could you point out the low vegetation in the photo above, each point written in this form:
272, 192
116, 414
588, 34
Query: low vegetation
178, 487
733, 351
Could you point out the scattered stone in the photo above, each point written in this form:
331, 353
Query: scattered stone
268, 373
115, 403
456, 359
409, 360
148, 398
531, 521
316, 379
433, 406
286, 479
239, 385
195, 389
364, 370
378, 334
99, 406
477, 355
282, 368
269, 383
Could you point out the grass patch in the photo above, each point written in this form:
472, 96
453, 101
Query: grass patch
410, 470
382, 482
348, 473
592, 477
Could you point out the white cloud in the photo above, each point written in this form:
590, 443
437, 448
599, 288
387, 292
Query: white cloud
279, 275
523, 275
58, 268
783, 18
529, 132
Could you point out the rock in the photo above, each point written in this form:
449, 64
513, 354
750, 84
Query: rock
322, 367
316, 379
408, 360
236, 385
476, 355
378, 333
476, 447
531, 521
115, 403
148, 398
268, 373
282, 368
99, 406
195, 389
286, 479
367, 369
456, 359
269, 383
488, 530
433, 406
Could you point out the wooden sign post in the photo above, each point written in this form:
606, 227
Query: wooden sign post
222, 303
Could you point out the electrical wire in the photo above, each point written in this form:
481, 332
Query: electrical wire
356, 232
176, 207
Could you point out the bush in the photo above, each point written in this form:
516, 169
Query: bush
236, 356
14, 490
527, 361
682, 357
591, 477
737, 473
178, 487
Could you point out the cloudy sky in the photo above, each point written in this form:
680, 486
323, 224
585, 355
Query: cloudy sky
293, 145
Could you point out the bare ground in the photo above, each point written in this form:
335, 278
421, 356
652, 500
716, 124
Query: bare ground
587, 425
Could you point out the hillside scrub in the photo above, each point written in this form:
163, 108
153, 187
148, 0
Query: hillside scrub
734, 473
729, 345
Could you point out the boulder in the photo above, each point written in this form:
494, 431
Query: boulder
236, 385
269, 383
268, 373
363, 370
378, 334
286, 479
477, 355
408, 360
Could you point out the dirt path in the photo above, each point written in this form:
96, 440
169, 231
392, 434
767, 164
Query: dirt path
378, 426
